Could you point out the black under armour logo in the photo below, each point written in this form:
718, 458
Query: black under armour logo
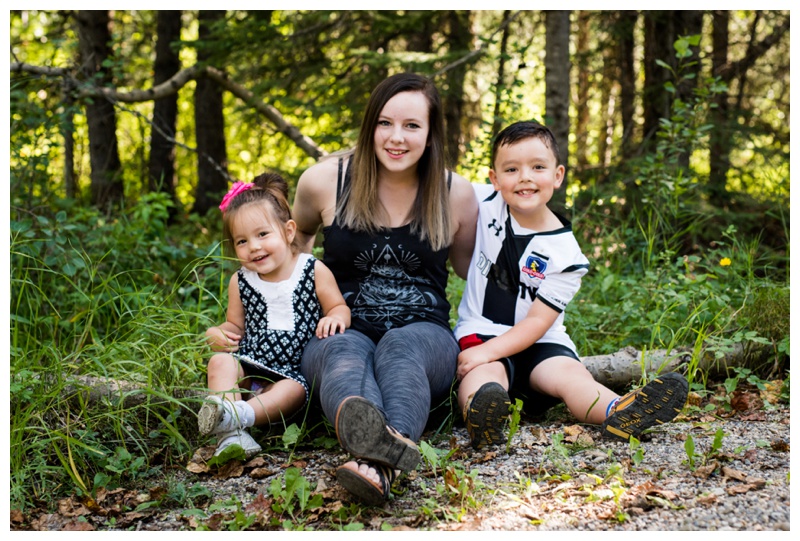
497, 228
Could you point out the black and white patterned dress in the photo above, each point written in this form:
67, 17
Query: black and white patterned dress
280, 319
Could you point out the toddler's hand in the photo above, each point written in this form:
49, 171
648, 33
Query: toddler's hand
222, 340
329, 325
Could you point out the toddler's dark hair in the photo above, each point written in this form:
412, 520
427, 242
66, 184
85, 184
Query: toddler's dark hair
524, 130
269, 188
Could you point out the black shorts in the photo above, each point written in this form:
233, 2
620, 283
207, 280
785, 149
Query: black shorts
519, 367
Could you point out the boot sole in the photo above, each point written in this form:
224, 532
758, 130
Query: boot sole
486, 415
659, 402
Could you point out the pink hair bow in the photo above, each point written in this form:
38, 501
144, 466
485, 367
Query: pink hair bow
237, 188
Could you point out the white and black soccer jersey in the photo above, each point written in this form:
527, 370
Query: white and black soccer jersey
511, 267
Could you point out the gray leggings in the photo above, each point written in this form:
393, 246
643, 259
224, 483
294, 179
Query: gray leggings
409, 367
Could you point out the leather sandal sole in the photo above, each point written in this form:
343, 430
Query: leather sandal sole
362, 432
364, 488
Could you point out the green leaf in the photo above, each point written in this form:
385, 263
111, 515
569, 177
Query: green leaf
232, 452
291, 436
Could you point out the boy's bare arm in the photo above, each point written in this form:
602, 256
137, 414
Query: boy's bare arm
518, 338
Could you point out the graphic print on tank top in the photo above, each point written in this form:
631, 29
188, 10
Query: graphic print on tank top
388, 296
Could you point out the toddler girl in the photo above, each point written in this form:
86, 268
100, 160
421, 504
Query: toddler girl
275, 304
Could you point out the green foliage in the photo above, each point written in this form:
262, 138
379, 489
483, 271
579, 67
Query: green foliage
636, 450
674, 278
292, 495
108, 297
513, 423
692, 454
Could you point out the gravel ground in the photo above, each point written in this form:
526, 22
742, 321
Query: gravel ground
580, 483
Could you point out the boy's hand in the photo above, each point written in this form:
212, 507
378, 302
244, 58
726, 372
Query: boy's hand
222, 340
329, 325
470, 359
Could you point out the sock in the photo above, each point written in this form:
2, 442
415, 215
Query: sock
247, 415
611, 406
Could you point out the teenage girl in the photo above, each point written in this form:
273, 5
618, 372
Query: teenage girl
392, 216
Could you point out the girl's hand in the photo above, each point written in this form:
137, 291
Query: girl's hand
470, 359
329, 325
223, 340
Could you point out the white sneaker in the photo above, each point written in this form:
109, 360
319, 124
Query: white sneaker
238, 437
217, 416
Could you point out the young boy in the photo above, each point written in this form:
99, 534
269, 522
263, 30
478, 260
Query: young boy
526, 267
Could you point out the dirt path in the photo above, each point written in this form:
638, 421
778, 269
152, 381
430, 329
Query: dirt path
557, 476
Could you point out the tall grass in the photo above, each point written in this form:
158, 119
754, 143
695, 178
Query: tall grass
96, 302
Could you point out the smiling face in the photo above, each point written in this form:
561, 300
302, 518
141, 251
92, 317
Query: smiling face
262, 243
526, 173
401, 134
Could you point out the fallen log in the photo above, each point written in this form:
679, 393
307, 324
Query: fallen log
618, 371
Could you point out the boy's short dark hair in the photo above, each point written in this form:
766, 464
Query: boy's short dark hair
524, 130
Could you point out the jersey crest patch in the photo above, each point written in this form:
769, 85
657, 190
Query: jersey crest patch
535, 267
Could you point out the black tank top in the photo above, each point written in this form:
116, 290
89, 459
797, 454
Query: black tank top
390, 279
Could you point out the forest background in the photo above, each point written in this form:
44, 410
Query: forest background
126, 127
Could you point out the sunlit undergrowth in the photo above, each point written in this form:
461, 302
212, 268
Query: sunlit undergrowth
127, 298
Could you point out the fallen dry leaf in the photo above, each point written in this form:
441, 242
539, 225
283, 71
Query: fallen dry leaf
47, 522
703, 472
754, 416
742, 489
694, 399
710, 499
260, 506
157, 493
257, 462
779, 446
231, 469
261, 473
197, 467
746, 401
539, 435
71, 507
486, 457
772, 391
77, 526
572, 433
17, 517
733, 474
127, 519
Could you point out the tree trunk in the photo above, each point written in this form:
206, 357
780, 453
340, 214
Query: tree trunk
688, 23
161, 166
212, 160
68, 133
582, 102
94, 37
460, 40
609, 102
497, 120
625, 44
719, 137
658, 45
557, 83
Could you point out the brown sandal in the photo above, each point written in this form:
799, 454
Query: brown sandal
362, 431
365, 488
